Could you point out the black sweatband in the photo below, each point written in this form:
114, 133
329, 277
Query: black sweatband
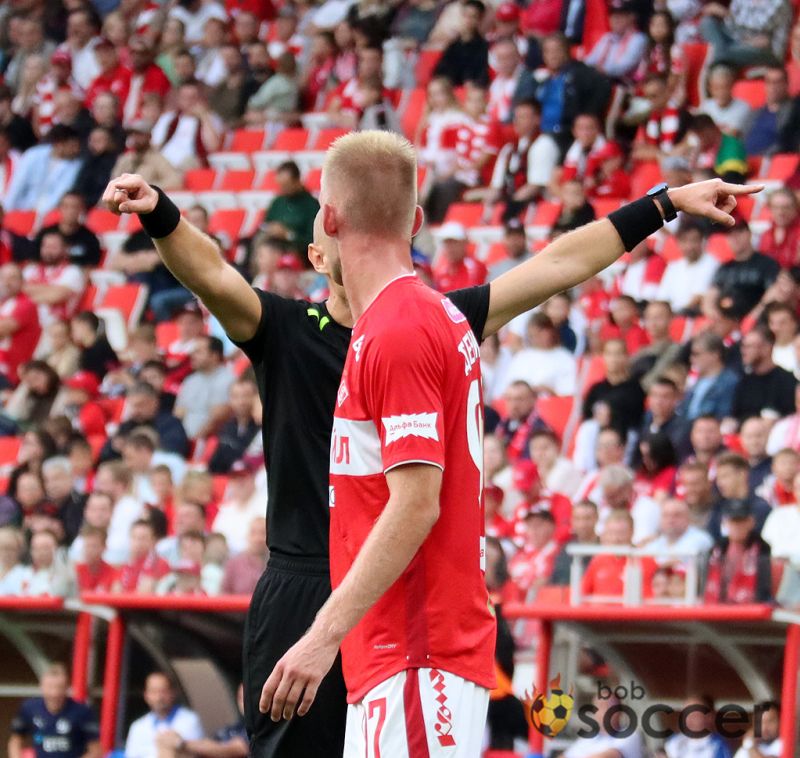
163, 219
636, 221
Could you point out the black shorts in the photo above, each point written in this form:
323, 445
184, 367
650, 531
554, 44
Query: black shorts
284, 604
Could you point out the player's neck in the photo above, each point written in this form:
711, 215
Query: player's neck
339, 307
368, 265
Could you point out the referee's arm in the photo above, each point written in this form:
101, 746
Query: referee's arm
585, 252
193, 257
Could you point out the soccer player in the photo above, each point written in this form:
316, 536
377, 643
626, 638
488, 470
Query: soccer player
298, 351
56, 724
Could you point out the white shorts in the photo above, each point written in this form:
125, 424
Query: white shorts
418, 713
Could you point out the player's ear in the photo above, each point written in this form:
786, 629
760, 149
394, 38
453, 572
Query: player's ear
330, 223
316, 259
419, 219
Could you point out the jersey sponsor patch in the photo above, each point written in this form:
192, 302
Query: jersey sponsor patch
355, 448
411, 425
455, 315
343, 394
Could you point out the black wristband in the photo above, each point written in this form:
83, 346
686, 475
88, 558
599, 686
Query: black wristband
163, 219
636, 221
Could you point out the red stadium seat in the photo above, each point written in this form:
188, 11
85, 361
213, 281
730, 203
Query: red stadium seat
291, 140
752, 91
426, 63
603, 206
645, 175
128, 299
219, 485
695, 55
313, 180
549, 595
237, 181
468, 214
51, 218
670, 250
782, 166
546, 214
413, 112
677, 328
101, 221
326, 137
268, 182
19, 222
593, 372
131, 223
754, 163
227, 221
497, 252
555, 411
87, 299
719, 247
96, 442
247, 140
200, 179
166, 334
9, 451
204, 449
745, 205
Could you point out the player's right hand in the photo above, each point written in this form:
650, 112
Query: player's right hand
129, 193
713, 199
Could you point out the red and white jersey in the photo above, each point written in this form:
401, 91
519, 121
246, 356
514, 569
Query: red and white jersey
44, 99
474, 141
63, 275
18, 348
501, 93
411, 393
532, 566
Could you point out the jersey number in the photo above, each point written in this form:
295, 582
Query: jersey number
378, 706
475, 429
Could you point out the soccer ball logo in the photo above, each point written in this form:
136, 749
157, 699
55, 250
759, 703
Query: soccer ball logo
549, 714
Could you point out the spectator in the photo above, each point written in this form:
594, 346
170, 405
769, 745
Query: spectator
202, 399
17, 129
618, 52
515, 246
699, 737
190, 520
609, 740
584, 532
211, 69
45, 172
739, 568
92, 573
655, 359
706, 439
455, 268
608, 450
64, 356
244, 503
140, 452
774, 127
55, 284
57, 476
730, 114
576, 211
318, 74
81, 41
713, 392
186, 579
12, 572
143, 410
747, 277
466, 59
32, 400
145, 78
782, 322
19, 324
236, 434
662, 416
677, 536
665, 126
55, 723
31, 42
764, 738
521, 420
765, 388
622, 393
782, 239
733, 484
508, 71
753, 437
185, 136
141, 158
663, 56
617, 492
97, 355
777, 487
105, 114
742, 35
47, 574
557, 472
565, 88
160, 697
524, 166
145, 568
545, 365
291, 214
114, 479
642, 273
532, 566
694, 484
786, 431
528, 483
276, 98
243, 571
582, 153
605, 573
97, 166
83, 245
96, 514
113, 77
686, 280
194, 14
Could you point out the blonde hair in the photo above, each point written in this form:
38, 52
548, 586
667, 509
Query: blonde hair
371, 178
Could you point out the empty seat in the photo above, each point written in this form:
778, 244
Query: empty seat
227, 221
468, 214
326, 137
752, 91
546, 213
291, 139
200, 179
237, 180
128, 299
19, 222
555, 412
782, 166
313, 180
100, 221
248, 140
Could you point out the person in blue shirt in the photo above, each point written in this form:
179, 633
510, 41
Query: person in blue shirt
56, 725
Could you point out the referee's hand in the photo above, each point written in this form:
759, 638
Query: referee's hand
297, 676
129, 193
712, 199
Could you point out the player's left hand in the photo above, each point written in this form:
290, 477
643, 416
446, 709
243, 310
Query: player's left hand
297, 676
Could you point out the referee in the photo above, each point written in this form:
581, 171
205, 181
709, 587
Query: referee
298, 349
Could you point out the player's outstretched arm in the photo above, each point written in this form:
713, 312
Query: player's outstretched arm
194, 259
581, 254
398, 534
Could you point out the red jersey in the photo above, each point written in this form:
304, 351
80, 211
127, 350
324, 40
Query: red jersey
411, 393
152, 567
605, 576
532, 566
18, 347
782, 244
559, 505
117, 82
98, 580
635, 336
449, 276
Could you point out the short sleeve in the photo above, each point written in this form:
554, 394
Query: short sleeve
271, 328
21, 723
404, 396
473, 302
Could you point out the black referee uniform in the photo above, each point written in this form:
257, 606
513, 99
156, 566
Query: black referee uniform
298, 353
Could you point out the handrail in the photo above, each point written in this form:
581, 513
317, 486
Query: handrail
701, 613
35, 603
130, 601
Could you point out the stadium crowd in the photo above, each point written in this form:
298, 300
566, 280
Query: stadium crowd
655, 406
